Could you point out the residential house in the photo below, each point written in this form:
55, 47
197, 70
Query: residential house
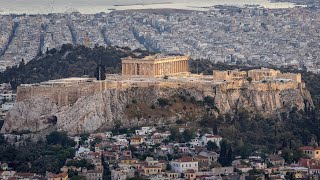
190, 174
151, 170
108, 134
82, 151
212, 156
183, 164
151, 162
203, 162
164, 150
276, 160
122, 173
213, 138
93, 174
183, 150
172, 175
136, 141
145, 130
311, 151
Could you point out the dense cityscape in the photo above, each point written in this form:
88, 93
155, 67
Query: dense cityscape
251, 36
227, 93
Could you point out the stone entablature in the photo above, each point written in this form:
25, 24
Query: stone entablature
155, 66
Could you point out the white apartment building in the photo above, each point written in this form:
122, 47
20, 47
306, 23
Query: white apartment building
209, 137
183, 164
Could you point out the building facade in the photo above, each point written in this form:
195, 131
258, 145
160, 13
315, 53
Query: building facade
311, 151
183, 164
155, 66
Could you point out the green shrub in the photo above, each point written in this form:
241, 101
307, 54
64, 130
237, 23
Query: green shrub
163, 102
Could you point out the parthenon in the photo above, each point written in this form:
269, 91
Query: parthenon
155, 66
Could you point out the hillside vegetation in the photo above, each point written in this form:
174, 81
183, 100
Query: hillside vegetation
68, 61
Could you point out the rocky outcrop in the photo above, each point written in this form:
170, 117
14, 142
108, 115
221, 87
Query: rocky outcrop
104, 109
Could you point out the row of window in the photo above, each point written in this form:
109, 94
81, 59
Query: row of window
310, 152
186, 165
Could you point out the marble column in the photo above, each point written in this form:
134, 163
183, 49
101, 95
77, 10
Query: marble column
187, 66
127, 69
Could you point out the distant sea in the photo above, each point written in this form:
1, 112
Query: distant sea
96, 6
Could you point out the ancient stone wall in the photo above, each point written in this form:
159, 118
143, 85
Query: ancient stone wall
64, 95
294, 77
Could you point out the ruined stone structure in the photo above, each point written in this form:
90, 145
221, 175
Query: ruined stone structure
155, 66
229, 75
270, 74
263, 74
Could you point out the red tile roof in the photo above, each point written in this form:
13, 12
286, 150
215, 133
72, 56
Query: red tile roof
185, 159
306, 148
24, 174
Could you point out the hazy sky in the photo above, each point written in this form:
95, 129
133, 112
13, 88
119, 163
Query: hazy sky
94, 6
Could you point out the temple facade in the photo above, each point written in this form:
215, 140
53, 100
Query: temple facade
155, 66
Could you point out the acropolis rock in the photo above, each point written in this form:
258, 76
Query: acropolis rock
92, 106
77, 105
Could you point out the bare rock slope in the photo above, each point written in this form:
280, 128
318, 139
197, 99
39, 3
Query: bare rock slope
109, 108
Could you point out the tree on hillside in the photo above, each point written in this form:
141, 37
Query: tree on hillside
226, 153
59, 138
100, 72
212, 146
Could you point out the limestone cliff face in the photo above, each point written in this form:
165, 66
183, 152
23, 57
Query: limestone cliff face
104, 109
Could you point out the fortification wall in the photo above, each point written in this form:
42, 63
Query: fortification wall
259, 86
292, 76
64, 95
